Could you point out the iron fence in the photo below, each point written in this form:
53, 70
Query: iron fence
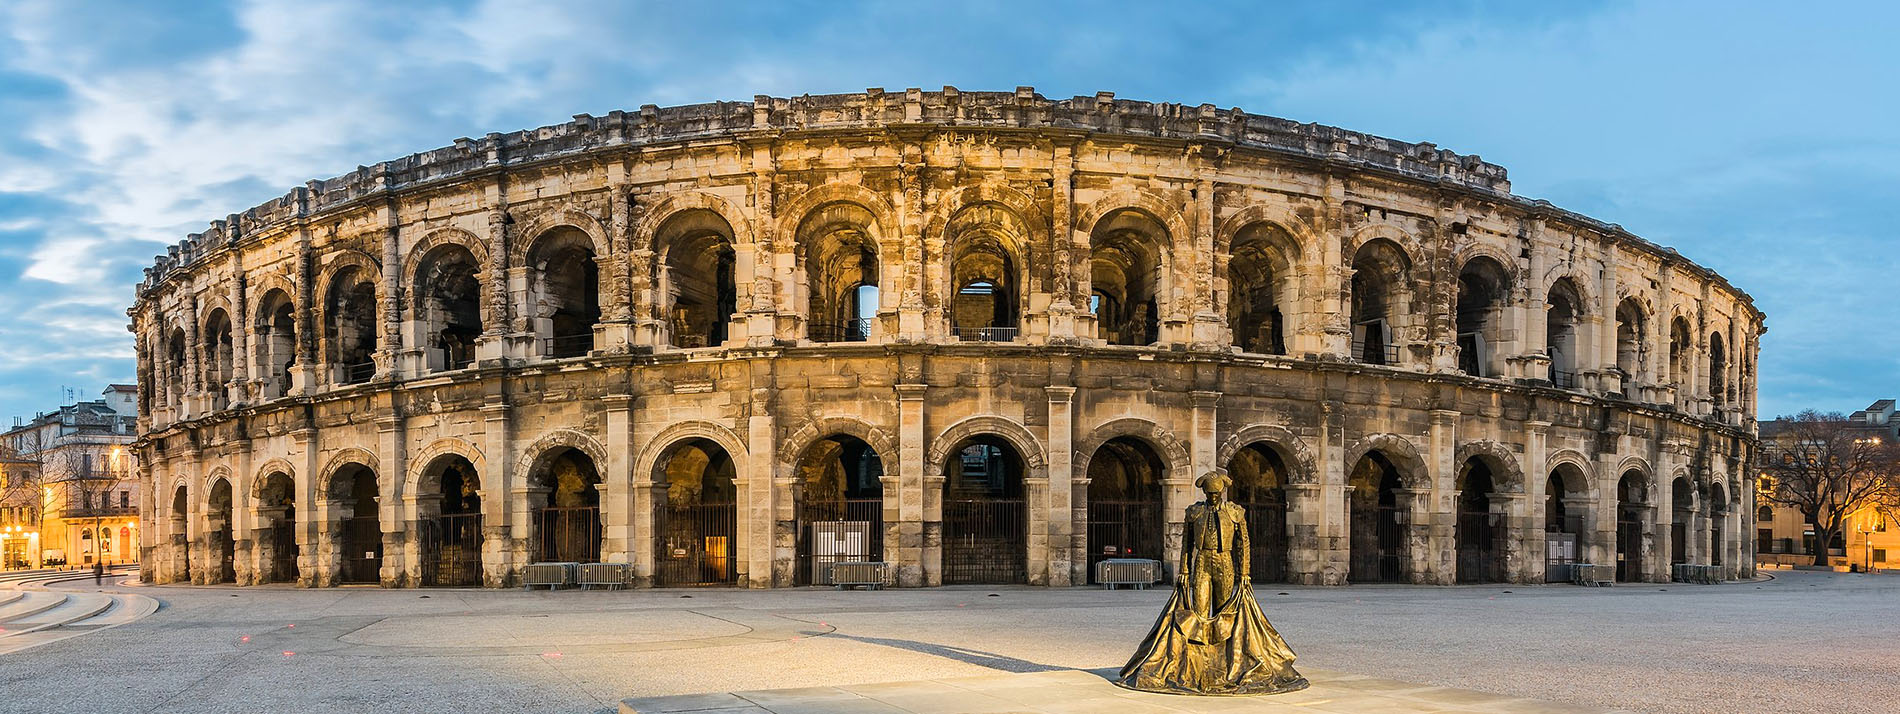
359, 373
1629, 546
283, 543
1374, 353
984, 541
362, 550
452, 551
564, 346
1375, 545
1563, 379
699, 544
984, 334
858, 330
868, 510
1124, 529
1477, 545
567, 534
1266, 539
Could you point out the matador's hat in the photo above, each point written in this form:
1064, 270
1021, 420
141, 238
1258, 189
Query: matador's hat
1215, 480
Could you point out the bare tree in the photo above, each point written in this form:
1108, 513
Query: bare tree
1828, 467
85, 477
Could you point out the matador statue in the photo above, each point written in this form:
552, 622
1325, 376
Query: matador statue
1212, 637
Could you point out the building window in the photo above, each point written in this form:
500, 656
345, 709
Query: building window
1880, 555
125, 499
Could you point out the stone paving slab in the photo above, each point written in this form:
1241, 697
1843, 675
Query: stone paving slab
1079, 692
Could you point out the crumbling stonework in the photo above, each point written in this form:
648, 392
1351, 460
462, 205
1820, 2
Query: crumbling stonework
413, 368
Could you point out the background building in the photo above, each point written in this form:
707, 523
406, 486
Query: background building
1871, 536
1001, 334
72, 501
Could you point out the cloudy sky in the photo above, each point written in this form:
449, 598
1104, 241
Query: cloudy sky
1758, 139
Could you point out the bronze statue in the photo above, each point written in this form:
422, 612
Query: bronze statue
1212, 637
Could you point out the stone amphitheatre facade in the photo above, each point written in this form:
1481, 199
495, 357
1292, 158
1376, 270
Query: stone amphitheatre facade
981, 336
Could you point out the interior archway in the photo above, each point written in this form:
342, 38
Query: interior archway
840, 506
698, 280
1377, 542
1380, 275
353, 488
1260, 477
1483, 287
276, 506
564, 292
699, 518
1125, 518
1126, 252
567, 516
448, 309
276, 347
1477, 531
349, 326
450, 505
985, 526
222, 544
1631, 500
1562, 310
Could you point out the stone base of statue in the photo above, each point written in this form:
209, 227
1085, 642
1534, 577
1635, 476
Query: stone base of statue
1234, 653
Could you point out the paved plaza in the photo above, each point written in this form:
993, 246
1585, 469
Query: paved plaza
1802, 642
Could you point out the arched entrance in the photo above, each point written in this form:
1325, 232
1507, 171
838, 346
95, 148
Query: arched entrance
1476, 533
447, 310
699, 518
1260, 478
984, 527
451, 515
180, 534
354, 489
1718, 514
220, 541
1483, 291
698, 285
1377, 542
1630, 500
1682, 514
567, 516
1563, 523
1125, 518
840, 507
277, 529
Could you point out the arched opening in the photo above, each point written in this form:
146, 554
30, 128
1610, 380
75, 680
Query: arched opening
217, 356
1380, 276
1632, 352
276, 346
349, 326
176, 357
1563, 522
1483, 286
1681, 348
840, 507
359, 523
220, 540
1262, 288
448, 309
1630, 500
1259, 478
567, 516
180, 536
1477, 531
450, 507
697, 280
277, 532
565, 292
1718, 369
1125, 277
838, 253
1125, 518
699, 520
1682, 513
1377, 542
984, 274
985, 529
1561, 312
1718, 515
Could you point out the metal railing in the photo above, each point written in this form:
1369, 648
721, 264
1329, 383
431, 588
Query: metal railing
564, 346
1563, 379
858, 330
985, 334
359, 373
1385, 355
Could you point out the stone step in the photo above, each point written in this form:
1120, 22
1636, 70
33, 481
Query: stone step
78, 606
30, 604
121, 610
8, 596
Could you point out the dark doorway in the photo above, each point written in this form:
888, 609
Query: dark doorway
1377, 541
1682, 511
840, 507
355, 489
1260, 478
1477, 532
1125, 519
223, 545
984, 529
1629, 527
699, 519
452, 539
567, 524
277, 510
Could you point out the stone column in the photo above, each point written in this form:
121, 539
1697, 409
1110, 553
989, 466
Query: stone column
756, 506
311, 493
1306, 550
1068, 545
919, 522
618, 512
505, 519
1436, 507
396, 511
1529, 529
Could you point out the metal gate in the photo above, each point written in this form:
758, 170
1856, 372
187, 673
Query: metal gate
362, 550
1715, 541
1678, 543
1629, 547
1123, 529
1375, 549
699, 544
1477, 548
869, 510
283, 550
452, 551
1266, 539
568, 534
227, 555
983, 541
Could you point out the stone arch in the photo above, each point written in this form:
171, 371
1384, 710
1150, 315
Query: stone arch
674, 204
1291, 448
258, 477
813, 430
1405, 242
440, 238
426, 458
336, 262
1158, 208
1400, 451
1035, 466
1305, 236
563, 216
672, 435
1574, 458
798, 210
219, 472
1504, 467
1156, 436
1585, 298
261, 286
553, 440
351, 456
957, 200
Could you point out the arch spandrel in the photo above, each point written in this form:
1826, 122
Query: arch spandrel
1019, 437
1164, 443
1507, 475
812, 431
671, 436
551, 221
654, 218
1397, 449
1290, 447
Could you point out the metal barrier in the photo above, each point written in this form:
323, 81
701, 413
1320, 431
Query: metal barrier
553, 576
869, 574
1591, 575
1139, 572
612, 576
1696, 574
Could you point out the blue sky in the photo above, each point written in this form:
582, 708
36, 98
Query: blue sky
1757, 138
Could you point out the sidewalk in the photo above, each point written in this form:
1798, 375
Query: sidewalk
1090, 692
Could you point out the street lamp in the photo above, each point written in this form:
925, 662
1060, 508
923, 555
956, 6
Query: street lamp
1867, 544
